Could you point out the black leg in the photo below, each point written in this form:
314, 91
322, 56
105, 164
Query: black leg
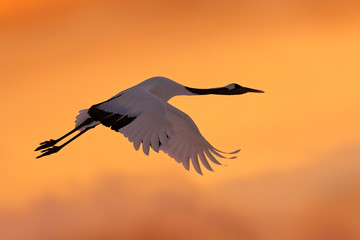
52, 142
55, 149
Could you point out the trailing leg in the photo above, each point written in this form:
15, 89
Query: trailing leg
52, 142
55, 149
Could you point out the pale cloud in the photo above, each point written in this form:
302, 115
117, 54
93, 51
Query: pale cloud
319, 201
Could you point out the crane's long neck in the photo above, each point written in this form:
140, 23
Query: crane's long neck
172, 89
199, 91
166, 89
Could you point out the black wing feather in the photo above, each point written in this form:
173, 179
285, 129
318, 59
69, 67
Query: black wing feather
113, 120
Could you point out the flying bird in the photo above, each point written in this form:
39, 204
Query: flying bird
144, 116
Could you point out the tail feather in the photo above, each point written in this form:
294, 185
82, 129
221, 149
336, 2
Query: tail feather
82, 117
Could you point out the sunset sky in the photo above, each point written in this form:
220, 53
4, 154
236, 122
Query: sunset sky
296, 176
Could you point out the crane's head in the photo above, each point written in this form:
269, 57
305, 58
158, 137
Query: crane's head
235, 89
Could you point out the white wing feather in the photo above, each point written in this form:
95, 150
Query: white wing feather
187, 143
163, 127
151, 128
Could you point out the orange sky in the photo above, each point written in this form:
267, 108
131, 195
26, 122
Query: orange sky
299, 141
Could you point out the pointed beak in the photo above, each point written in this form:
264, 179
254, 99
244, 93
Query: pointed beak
252, 90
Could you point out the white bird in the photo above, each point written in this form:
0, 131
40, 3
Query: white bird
144, 116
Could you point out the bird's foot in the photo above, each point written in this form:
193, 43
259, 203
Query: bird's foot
46, 144
49, 151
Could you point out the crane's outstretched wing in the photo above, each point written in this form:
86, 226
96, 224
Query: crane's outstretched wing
146, 120
139, 115
188, 143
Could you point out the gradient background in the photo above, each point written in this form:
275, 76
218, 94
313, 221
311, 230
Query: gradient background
297, 176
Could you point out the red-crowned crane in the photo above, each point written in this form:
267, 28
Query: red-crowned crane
143, 115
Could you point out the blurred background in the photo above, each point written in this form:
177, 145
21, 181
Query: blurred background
297, 175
